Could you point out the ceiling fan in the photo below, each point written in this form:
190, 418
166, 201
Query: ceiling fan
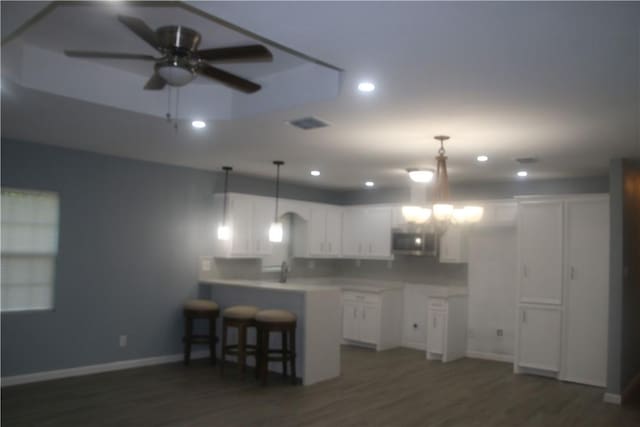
181, 60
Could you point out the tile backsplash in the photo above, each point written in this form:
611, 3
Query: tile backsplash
410, 269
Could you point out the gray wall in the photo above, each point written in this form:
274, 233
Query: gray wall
130, 236
624, 276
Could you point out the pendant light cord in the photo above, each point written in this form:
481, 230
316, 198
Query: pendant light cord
278, 163
226, 170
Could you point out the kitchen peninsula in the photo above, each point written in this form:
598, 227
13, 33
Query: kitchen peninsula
318, 309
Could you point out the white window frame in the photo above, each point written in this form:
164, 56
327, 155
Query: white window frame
34, 255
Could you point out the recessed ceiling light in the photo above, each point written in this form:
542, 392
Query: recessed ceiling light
198, 124
315, 173
370, 183
366, 87
522, 173
420, 175
482, 158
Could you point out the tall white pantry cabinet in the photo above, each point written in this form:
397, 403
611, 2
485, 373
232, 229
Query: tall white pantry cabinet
563, 262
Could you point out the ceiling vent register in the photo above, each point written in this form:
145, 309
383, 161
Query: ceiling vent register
308, 123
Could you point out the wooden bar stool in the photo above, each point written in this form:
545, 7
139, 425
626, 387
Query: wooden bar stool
282, 321
240, 317
200, 309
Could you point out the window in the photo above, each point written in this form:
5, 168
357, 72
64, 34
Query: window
29, 249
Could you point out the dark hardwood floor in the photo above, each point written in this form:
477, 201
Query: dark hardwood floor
391, 388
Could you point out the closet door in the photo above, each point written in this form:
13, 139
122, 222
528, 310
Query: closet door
540, 246
587, 279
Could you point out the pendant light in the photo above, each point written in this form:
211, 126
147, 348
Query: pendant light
275, 231
224, 231
442, 210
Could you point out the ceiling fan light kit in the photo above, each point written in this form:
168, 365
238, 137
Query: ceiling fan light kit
181, 61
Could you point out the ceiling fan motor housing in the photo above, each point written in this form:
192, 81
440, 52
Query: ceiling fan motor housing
179, 39
179, 66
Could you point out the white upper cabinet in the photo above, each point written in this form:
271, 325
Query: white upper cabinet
249, 218
319, 236
453, 245
540, 237
366, 232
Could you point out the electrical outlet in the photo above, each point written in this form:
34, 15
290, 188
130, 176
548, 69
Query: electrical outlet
206, 264
499, 332
123, 340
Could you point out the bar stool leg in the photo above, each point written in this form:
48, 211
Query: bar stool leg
188, 332
242, 358
292, 354
285, 353
223, 350
212, 339
264, 355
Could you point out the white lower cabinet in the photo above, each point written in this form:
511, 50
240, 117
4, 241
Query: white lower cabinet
373, 319
540, 332
447, 328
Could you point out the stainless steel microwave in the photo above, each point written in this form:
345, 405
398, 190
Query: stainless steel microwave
421, 241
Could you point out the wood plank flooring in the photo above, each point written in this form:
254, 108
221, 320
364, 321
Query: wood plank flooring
392, 388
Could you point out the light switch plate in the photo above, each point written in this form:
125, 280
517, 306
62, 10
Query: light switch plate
206, 264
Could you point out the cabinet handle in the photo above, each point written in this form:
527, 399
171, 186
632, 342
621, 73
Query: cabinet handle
330, 247
573, 273
524, 271
435, 322
524, 316
321, 246
370, 245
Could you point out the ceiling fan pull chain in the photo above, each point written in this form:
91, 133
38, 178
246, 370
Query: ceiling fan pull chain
175, 119
169, 105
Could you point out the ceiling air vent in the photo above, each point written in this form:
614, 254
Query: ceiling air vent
308, 123
527, 160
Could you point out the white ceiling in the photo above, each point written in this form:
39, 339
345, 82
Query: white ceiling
558, 81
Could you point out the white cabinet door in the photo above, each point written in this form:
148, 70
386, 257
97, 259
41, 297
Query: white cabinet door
453, 246
263, 215
241, 217
378, 231
351, 225
333, 231
587, 261
435, 334
317, 231
540, 243
350, 320
539, 338
370, 323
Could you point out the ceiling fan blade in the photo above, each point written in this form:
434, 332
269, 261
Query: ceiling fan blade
106, 55
250, 53
155, 83
141, 29
228, 79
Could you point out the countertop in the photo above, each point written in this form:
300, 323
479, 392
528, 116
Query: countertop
344, 284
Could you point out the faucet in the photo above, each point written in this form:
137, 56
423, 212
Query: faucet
284, 270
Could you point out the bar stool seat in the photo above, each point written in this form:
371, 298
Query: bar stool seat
241, 317
200, 309
285, 322
240, 312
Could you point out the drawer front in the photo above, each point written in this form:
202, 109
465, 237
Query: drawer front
438, 304
361, 297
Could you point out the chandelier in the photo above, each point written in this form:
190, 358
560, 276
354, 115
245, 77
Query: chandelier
442, 212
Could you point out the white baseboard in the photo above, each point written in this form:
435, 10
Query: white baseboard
616, 399
507, 358
95, 369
